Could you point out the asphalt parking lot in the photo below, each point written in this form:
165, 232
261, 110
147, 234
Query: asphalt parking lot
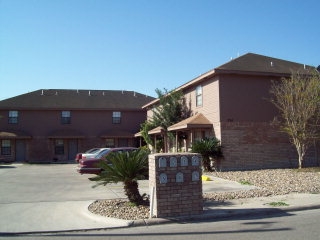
52, 197
24, 183
55, 197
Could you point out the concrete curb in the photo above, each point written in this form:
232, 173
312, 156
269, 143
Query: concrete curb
207, 215
221, 214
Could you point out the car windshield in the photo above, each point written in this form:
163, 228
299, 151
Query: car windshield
92, 150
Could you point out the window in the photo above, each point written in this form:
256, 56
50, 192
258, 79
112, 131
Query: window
65, 117
5, 147
59, 147
116, 117
109, 142
13, 117
199, 96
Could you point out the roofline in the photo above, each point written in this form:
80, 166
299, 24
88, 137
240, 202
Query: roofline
217, 71
239, 72
73, 109
191, 82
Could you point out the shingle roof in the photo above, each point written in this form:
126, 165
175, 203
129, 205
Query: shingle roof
77, 99
196, 121
251, 62
17, 134
156, 130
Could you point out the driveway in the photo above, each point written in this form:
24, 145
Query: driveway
24, 183
54, 197
51, 197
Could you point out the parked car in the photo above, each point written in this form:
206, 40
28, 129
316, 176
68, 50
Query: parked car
89, 154
90, 164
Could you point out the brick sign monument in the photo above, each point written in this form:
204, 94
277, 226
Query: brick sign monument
175, 184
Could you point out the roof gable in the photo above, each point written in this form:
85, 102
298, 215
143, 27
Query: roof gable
77, 99
196, 121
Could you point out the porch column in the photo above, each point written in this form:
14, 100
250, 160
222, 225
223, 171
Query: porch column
176, 141
191, 139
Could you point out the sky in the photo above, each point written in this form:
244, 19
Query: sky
144, 45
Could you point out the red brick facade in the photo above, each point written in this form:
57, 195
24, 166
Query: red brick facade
174, 196
41, 133
235, 98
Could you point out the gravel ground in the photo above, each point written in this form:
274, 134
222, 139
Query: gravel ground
269, 182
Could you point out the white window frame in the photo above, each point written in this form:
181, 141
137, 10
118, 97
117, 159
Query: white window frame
13, 117
65, 117
116, 117
199, 100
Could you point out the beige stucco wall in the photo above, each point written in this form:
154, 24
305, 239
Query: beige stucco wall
210, 102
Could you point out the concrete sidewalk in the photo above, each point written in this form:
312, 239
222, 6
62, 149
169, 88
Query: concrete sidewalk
28, 217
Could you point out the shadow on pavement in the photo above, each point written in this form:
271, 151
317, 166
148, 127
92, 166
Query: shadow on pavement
7, 166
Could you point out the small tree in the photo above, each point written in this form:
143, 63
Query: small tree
145, 128
208, 148
128, 168
172, 108
298, 100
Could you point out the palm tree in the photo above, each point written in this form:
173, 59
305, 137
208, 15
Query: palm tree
128, 168
208, 148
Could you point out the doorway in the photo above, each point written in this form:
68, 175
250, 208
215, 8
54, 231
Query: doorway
72, 149
20, 150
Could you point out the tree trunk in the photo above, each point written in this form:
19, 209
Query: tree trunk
165, 142
301, 152
207, 163
132, 192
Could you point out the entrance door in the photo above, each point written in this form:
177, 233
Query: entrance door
20, 150
72, 149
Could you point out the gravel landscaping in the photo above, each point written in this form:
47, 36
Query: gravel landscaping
269, 182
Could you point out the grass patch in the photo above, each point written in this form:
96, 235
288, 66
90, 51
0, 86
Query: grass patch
278, 204
245, 182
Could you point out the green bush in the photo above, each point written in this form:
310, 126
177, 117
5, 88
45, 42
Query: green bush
209, 148
128, 168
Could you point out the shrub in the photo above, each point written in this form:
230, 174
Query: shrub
209, 148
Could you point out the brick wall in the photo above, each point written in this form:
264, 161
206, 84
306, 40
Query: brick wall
252, 145
181, 193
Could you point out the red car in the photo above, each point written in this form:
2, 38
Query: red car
90, 165
89, 154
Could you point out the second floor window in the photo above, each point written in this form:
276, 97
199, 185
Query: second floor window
65, 117
116, 117
13, 117
199, 96
6, 147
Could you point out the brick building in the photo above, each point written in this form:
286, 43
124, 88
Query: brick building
53, 125
232, 102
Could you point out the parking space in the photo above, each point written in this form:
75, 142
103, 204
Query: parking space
55, 197
26, 183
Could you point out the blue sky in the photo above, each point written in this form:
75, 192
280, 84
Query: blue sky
141, 45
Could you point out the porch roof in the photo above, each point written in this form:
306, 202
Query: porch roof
196, 121
157, 130
138, 134
16, 134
